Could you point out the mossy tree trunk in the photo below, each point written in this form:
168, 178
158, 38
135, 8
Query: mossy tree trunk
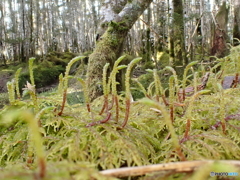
178, 39
110, 45
219, 46
236, 30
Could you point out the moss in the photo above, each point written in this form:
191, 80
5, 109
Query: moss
117, 26
163, 59
47, 64
74, 151
75, 98
146, 79
57, 60
136, 94
148, 65
43, 76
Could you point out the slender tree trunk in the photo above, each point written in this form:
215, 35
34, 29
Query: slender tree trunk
148, 46
32, 41
23, 57
94, 13
2, 35
170, 35
109, 46
178, 34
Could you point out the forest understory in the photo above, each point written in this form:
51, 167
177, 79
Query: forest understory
189, 121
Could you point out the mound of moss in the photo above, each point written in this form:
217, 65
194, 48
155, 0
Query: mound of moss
48, 69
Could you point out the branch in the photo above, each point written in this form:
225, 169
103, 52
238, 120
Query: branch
132, 11
108, 12
177, 167
195, 30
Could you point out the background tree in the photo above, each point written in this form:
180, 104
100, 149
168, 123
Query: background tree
178, 34
34, 28
220, 36
236, 29
110, 46
163, 32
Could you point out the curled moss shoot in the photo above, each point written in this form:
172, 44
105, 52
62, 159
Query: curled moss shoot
65, 82
128, 91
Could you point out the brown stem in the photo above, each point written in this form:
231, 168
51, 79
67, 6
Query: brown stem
105, 105
42, 165
126, 113
117, 107
184, 94
219, 77
188, 125
100, 122
111, 106
63, 102
106, 119
172, 113
235, 81
88, 107
164, 100
224, 127
29, 160
180, 154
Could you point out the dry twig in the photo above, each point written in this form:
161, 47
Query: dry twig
177, 167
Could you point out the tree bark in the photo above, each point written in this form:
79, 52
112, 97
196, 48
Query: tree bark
109, 46
178, 34
108, 12
236, 29
219, 46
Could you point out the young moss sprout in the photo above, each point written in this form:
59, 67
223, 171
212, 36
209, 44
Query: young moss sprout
185, 79
65, 82
128, 91
11, 92
105, 89
31, 60
17, 83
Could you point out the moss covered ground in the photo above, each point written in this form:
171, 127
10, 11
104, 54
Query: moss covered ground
46, 137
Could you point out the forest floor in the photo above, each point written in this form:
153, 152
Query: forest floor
4, 78
74, 139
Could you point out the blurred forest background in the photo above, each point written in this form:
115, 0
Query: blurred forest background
176, 31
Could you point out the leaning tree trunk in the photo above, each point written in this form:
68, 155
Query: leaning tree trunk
109, 47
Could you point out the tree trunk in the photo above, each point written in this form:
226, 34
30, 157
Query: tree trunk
109, 12
23, 56
219, 47
236, 29
178, 34
109, 46
148, 45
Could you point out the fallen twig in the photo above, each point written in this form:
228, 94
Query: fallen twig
177, 167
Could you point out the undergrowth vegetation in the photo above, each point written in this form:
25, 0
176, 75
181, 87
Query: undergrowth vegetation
46, 137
